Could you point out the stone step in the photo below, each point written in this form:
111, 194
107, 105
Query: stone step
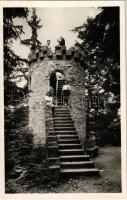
68, 141
74, 158
62, 112
66, 136
92, 123
70, 125
78, 164
61, 81
60, 86
52, 143
92, 132
63, 122
79, 171
65, 128
69, 146
54, 167
71, 152
63, 118
68, 132
91, 117
57, 122
92, 151
62, 115
63, 108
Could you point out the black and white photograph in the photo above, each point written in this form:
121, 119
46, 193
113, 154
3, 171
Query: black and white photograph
62, 99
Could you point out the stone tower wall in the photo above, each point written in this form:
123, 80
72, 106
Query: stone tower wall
40, 72
40, 80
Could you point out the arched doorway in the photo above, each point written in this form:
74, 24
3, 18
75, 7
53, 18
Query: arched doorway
57, 80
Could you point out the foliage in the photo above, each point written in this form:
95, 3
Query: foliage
101, 45
11, 60
18, 140
34, 23
14, 94
19, 149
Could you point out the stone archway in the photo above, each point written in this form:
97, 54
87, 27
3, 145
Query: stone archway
53, 80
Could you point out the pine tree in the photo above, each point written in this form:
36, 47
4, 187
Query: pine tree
101, 45
34, 23
11, 60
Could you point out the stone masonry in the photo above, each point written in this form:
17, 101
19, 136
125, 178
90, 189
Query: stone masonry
39, 84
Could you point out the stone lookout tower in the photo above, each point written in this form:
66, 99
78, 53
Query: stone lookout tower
64, 130
45, 65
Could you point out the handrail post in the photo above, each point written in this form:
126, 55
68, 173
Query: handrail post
56, 91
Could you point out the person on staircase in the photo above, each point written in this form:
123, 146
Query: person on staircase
49, 101
66, 93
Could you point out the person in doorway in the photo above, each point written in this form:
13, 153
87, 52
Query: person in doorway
66, 93
49, 101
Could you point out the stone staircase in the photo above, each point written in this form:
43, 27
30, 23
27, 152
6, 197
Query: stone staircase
72, 159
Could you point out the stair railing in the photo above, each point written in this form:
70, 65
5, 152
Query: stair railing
61, 97
56, 92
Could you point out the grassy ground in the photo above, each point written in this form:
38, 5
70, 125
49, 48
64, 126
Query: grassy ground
26, 170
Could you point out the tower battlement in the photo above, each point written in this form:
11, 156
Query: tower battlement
61, 53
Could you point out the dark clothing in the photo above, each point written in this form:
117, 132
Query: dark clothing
66, 94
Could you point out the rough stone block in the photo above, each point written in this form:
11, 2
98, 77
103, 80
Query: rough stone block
53, 161
63, 48
51, 138
44, 49
59, 54
41, 55
68, 54
58, 47
53, 151
93, 151
54, 173
50, 54
76, 56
